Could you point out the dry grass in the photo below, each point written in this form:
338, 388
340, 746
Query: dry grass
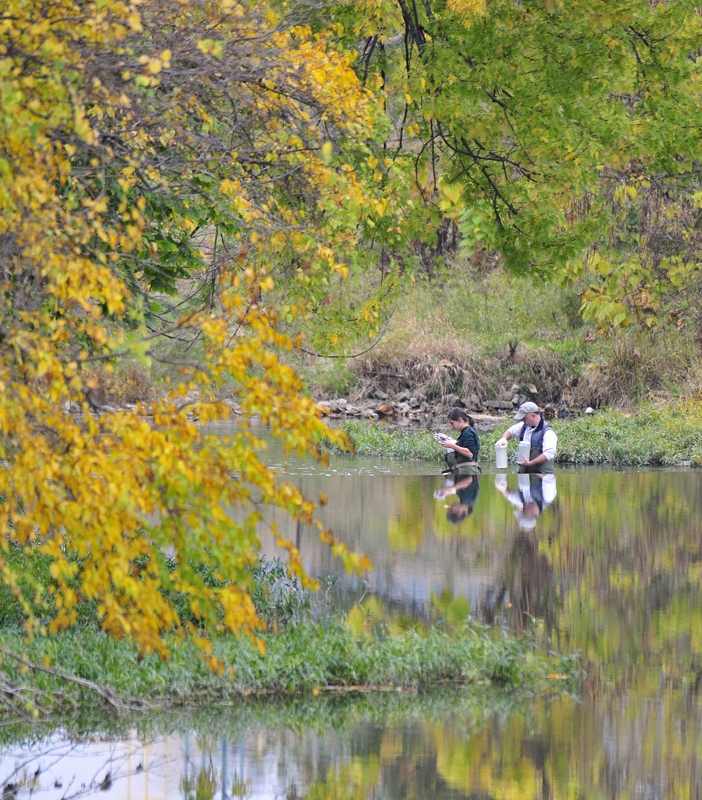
636, 366
128, 384
479, 334
470, 334
450, 365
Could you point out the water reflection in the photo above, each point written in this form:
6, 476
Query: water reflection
466, 490
613, 747
534, 493
611, 562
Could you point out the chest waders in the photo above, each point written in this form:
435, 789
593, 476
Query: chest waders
461, 466
537, 448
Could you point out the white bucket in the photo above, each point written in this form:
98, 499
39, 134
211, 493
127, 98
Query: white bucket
501, 456
524, 450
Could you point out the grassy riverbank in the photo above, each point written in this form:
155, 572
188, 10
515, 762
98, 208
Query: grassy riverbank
307, 657
667, 434
475, 330
310, 647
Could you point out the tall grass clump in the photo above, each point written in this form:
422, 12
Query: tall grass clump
279, 598
658, 435
129, 384
373, 439
634, 366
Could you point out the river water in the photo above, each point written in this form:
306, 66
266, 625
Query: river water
607, 562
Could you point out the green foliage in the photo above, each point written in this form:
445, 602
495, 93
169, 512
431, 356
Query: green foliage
300, 658
453, 609
478, 302
562, 134
33, 569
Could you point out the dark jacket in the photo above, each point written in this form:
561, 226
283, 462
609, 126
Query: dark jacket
460, 464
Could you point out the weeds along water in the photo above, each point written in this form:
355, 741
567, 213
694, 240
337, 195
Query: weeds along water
663, 434
60, 671
477, 706
309, 649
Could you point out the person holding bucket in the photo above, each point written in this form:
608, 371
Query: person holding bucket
533, 429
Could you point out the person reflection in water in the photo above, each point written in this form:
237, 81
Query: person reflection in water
466, 489
535, 493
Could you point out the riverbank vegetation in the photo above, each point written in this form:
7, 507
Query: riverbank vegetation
84, 666
308, 646
663, 434
475, 332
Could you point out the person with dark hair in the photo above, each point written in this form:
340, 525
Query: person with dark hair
467, 491
462, 454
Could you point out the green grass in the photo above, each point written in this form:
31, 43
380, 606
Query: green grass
381, 440
309, 646
667, 434
301, 658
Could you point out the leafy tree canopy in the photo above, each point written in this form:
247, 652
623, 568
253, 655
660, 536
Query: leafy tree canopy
563, 133
177, 177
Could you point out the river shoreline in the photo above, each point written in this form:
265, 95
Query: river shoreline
667, 434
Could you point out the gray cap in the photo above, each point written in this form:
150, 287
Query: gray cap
526, 523
527, 408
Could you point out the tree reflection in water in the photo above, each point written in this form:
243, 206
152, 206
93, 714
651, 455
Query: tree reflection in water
611, 568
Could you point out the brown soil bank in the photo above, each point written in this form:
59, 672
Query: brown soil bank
563, 377
430, 382
484, 382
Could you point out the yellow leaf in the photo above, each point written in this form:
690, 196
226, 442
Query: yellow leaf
134, 21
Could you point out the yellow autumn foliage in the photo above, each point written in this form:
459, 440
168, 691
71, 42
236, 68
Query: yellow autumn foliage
467, 10
159, 162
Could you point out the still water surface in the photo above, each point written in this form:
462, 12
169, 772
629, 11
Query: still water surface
609, 561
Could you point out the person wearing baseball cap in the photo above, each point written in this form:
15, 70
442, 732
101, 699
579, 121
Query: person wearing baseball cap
533, 428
